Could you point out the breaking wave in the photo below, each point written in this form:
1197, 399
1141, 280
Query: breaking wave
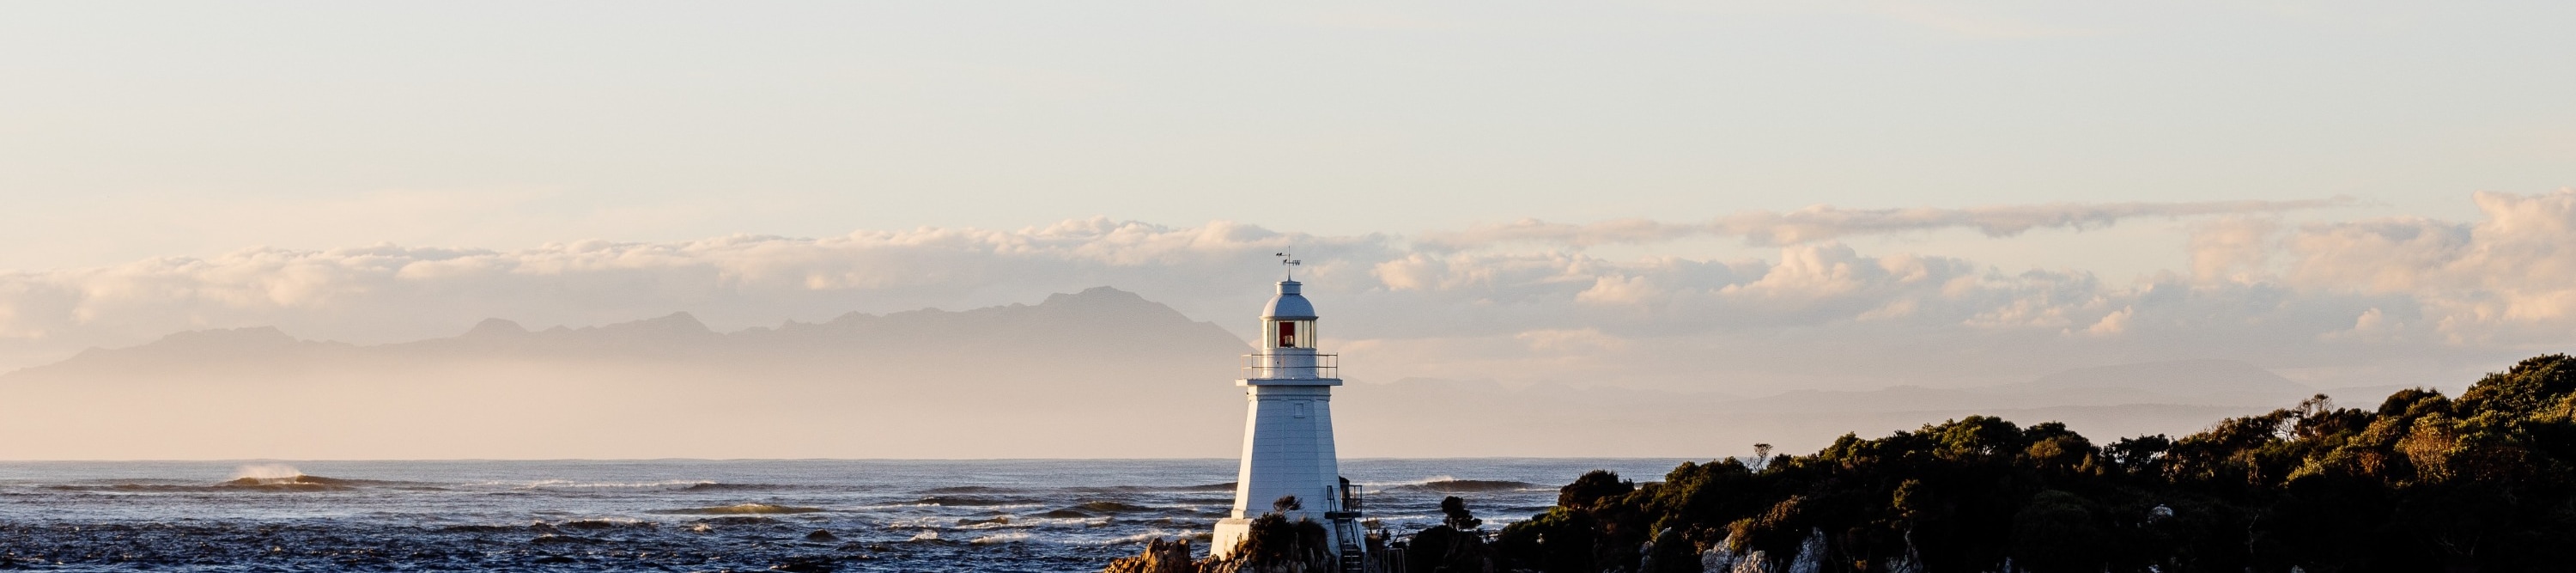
1097, 507
999, 538
1158, 533
1213, 487
1450, 485
740, 509
972, 501
560, 485
971, 489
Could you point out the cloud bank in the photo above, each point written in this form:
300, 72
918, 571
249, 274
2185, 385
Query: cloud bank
2351, 302
1826, 223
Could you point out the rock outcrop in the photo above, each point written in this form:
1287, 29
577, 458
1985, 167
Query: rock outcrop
1275, 545
1159, 557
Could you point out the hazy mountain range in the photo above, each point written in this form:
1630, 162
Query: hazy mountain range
1100, 373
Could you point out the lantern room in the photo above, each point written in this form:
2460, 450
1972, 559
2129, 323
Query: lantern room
1289, 322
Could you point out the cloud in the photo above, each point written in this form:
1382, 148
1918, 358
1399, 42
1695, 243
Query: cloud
2112, 324
2231, 249
1815, 311
387, 292
2508, 278
1569, 341
1825, 223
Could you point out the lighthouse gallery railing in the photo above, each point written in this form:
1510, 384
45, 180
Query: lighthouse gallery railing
1292, 366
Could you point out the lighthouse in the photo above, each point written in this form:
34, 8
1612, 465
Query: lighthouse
1288, 432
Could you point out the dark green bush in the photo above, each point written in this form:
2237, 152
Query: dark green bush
2486, 482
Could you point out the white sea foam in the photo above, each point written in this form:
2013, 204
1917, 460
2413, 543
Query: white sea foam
573, 486
922, 522
609, 521
997, 522
1059, 522
891, 506
1000, 538
1159, 533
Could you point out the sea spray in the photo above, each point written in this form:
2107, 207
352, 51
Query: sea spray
739, 509
265, 473
279, 478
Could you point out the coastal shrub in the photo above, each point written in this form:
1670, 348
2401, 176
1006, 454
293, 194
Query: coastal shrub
1443, 549
1456, 516
1560, 541
2423, 482
1275, 539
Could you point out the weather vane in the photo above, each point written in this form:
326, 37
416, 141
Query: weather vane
1288, 263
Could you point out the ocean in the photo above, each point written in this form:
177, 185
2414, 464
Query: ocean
685, 515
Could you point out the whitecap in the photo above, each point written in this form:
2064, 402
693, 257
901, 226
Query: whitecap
999, 539
563, 485
1158, 533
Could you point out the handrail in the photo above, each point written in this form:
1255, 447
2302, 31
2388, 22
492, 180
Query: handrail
1292, 366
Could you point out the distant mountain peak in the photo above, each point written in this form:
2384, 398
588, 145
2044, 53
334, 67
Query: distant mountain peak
674, 323
1093, 295
2194, 375
228, 337
496, 327
1016, 329
194, 347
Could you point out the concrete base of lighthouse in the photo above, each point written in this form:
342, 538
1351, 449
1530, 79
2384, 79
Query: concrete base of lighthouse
1229, 533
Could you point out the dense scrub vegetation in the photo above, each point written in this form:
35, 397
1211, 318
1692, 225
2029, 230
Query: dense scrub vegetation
2423, 482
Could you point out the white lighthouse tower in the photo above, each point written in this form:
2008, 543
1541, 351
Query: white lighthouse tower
1288, 431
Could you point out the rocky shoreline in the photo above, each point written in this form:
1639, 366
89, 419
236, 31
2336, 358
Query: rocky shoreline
2485, 481
1277, 545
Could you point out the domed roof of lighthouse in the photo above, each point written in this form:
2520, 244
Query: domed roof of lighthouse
1289, 305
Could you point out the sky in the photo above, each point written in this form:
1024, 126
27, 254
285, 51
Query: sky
1724, 196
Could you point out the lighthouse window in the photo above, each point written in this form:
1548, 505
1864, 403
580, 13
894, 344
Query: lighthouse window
1292, 334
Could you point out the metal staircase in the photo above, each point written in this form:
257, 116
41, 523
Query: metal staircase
1346, 527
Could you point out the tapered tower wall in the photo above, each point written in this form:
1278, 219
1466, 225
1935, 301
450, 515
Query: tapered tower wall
1290, 451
